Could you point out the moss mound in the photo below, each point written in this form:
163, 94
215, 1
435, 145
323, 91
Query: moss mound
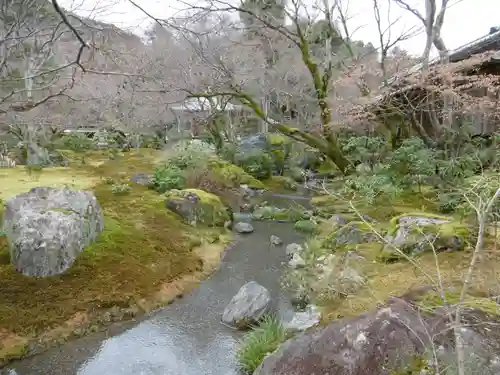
280, 183
233, 175
208, 208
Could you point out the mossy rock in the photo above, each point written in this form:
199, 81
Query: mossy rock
233, 174
280, 183
296, 174
197, 206
415, 233
351, 234
306, 226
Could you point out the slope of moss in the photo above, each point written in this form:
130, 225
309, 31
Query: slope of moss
143, 247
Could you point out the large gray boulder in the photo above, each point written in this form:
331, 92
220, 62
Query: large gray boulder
396, 338
47, 228
248, 306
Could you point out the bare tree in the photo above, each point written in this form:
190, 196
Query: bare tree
386, 38
433, 22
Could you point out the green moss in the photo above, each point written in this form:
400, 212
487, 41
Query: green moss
329, 205
142, 247
11, 353
449, 235
276, 139
394, 223
4, 249
354, 233
279, 214
280, 183
327, 167
62, 210
306, 226
209, 210
234, 174
432, 300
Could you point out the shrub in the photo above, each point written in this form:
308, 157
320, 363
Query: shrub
189, 159
259, 342
167, 177
412, 163
365, 150
76, 142
259, 165
228, 152
306, 226
152, 141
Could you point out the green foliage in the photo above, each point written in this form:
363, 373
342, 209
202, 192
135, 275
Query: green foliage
233, 175
259, 164
77, 142
228, 152
189, 158
441, 174
261, 341
167, 177
365, 149
372, 186
306, 226
412, 162
152, 141
292, 214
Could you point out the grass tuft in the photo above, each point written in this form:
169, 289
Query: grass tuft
259, 342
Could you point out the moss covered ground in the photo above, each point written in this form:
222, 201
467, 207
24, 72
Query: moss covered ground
393, 279
143, 248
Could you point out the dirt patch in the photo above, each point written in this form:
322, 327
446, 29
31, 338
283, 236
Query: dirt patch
12, 346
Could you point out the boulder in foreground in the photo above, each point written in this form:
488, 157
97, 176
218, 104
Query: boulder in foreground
248, 306
47, 228
396, 338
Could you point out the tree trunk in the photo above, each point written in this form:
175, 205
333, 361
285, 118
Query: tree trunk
328, 146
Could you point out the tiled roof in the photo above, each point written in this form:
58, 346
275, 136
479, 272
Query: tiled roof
486, 43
